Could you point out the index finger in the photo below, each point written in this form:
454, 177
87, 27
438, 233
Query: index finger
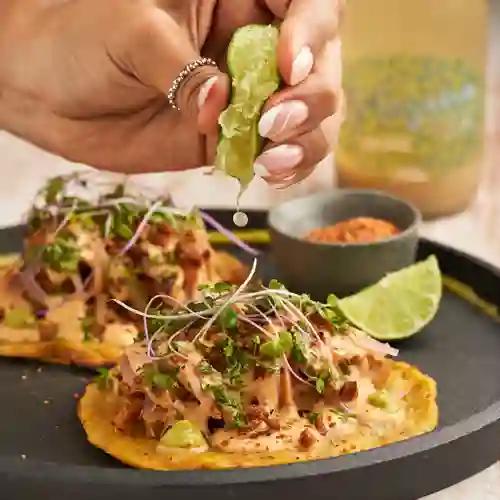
307, 26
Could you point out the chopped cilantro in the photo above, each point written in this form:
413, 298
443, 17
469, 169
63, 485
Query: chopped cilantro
159, 380
277, 347
62, 255
53, 189
205, 367
228, 346
299, 349
237, 365
312, 417
86, 325
161, 217
286, 341
221, 287
164, 381
222, 398
103, 378
271, 349
320, 385
228, 318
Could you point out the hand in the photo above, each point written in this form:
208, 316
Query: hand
86, 79
302, 121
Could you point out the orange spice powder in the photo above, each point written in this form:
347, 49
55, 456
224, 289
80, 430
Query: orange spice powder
358, 230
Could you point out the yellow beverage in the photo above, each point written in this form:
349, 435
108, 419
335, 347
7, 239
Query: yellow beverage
414, 79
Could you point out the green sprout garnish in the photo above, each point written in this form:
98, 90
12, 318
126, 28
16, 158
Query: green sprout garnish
103, 378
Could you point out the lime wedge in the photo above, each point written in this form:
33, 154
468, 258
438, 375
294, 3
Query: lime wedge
253, 67
400, 304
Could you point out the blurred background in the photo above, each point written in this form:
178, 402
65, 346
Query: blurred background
423, 86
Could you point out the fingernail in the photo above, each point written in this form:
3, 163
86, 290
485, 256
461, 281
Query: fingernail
281, 157
283, 118
205, 90
260, 170
302, 66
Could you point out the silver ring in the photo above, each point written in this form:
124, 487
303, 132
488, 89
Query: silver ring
172, 91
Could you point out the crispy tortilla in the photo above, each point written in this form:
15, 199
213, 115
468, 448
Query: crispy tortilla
97, 407
88, 354
91, 354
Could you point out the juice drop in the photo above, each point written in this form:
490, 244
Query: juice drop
240, 219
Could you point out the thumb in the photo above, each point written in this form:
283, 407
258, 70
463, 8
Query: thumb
159, 52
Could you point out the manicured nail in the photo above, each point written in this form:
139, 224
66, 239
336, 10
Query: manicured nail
205, 90
281, 157
283, 118
302, 66
260, 170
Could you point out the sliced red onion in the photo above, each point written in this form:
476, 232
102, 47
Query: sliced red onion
230, 235
41, 313
131, 362
370, 344
31, 287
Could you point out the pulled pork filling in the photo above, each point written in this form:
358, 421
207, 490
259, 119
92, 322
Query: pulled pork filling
82, 251
251, 369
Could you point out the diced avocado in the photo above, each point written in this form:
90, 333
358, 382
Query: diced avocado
183, 434
378, 399
19, 318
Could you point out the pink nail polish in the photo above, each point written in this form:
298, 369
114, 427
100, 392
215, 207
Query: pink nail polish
205, 90
283, 118
286, 156
302, 66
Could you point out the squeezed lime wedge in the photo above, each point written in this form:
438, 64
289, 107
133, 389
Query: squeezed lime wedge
400, 304
253, 67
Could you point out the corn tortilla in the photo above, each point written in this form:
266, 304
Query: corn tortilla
95, 354
96, 409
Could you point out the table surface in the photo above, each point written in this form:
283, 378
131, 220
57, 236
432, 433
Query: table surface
476, 231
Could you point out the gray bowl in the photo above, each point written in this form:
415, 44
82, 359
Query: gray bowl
319, 268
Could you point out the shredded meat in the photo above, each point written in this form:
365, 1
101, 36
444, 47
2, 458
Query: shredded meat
348, 392
47, 329
257, 414
286, 398
307, 438
129, 413
321, 425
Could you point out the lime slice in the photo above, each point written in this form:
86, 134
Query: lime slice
253, 67
400, 304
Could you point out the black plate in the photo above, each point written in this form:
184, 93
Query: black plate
44, 454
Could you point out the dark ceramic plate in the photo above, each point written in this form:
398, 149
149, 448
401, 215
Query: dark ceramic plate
44, 454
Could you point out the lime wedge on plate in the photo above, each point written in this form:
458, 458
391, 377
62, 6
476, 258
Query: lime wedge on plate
400, 304
253, 67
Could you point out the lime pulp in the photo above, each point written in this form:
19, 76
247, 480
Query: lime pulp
253, 67
400, 304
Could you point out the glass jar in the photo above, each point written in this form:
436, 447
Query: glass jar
414, 77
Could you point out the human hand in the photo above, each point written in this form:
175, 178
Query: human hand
302, 121
86, 79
